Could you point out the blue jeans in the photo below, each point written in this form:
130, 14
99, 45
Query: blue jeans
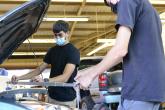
137, 105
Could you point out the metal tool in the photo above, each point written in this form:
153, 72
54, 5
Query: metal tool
56, 84
27, 90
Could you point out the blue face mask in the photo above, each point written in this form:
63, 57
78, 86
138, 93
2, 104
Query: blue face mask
60, 41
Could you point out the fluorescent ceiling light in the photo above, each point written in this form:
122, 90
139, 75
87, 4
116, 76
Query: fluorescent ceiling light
163, 21
106, 41
40, 41
65, 0
162, 15
157, 2
28, 53
99, 48
67, 19
95, 1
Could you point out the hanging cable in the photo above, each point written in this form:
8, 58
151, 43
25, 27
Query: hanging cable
97, 25
35, 57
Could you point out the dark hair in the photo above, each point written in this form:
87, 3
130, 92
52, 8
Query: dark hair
105, 1
60, 26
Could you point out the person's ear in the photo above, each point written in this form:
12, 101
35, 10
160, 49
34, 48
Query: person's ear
68, 36
68, 33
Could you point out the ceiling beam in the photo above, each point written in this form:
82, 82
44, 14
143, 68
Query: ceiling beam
92, 21
78, 14
76, 29
55, 13
58, 13
21, 63
99, 53
76, 1
41, 36
94, 41
52, 2
95, 35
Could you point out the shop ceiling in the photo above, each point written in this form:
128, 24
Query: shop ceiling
84, 34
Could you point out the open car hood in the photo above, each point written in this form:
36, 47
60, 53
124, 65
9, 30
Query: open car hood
19, 24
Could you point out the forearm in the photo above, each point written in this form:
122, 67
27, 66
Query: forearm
33, 73
60, 78
64, 77
29, 75
116, 54
111, 59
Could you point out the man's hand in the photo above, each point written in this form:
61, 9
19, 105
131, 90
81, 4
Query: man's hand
14, 79
37, 79
114, 2
85, 77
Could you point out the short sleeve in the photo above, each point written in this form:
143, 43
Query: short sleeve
73, 56
126, 13
47, 58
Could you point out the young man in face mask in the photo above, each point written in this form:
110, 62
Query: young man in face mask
139, 46
64, 59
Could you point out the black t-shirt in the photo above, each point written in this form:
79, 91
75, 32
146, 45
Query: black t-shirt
58, 57
144, 65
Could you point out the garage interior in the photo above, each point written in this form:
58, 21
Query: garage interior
92, 32
85, 35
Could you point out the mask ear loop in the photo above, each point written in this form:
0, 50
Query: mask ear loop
66, 36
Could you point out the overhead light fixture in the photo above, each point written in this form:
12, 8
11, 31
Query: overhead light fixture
64, 0
156, 2
163, 21
95, 1
100, 48
106, 41
162, 15
75, 18
67, 19
28, 53
39, 41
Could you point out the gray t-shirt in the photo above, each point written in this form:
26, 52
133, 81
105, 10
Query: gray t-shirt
144, 65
